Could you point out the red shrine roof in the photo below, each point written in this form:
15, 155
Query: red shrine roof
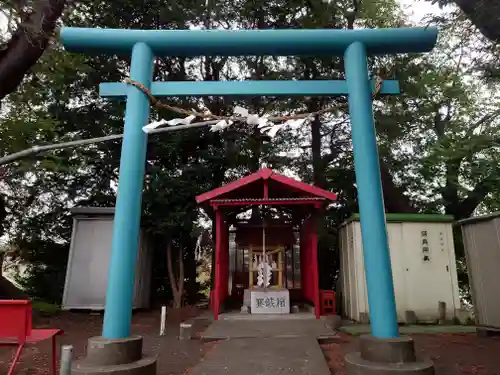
266, 184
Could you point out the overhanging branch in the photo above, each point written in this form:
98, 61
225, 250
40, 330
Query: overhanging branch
28, 43
484, 15
475, 197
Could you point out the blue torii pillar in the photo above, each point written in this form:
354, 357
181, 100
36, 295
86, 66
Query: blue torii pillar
354, 45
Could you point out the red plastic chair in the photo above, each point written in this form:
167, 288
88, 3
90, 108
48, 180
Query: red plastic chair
16, 330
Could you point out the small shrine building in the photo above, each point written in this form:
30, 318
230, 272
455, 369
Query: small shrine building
265, 261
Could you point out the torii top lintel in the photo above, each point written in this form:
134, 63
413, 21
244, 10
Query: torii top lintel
282, 42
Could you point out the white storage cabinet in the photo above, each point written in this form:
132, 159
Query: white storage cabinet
423, 266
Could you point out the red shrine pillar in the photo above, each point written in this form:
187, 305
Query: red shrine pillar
314, 261
217, 293
309, 262
224, 262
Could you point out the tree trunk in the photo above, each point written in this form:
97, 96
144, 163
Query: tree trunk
317, 161
28, 43
484, 15
190, 269
180, 282
177, 285
394, 199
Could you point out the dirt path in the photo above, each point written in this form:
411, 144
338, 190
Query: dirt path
452, 354
174, 357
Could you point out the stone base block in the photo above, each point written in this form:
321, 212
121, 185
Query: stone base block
364, 318
483, 331
311, 309
387, 356
117, 357
333, 321
410, 317
358, 366
394, 350
185, 331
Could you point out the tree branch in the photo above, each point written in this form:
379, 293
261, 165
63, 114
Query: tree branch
28, 43
483, 121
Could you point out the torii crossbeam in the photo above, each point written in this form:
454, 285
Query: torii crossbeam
354, 45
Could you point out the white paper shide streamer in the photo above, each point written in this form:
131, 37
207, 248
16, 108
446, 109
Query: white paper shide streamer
176, 121
240, 114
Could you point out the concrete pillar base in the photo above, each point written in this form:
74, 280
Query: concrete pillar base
117, 357
185, 331
387, 356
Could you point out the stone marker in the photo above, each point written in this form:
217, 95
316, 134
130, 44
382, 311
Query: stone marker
333, 321
65, 361
442, 312
364, 318
410, 317
295, 309
185, 331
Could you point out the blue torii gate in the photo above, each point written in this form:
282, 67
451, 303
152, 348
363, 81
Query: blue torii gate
144, 45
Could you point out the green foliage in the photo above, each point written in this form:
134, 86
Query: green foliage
45, 270
45, 308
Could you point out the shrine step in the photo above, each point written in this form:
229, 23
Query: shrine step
266, 327
249, 316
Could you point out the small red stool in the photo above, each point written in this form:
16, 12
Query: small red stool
327, 301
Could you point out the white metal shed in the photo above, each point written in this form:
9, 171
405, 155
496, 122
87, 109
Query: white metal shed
481, 236
89, 257
423, 266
